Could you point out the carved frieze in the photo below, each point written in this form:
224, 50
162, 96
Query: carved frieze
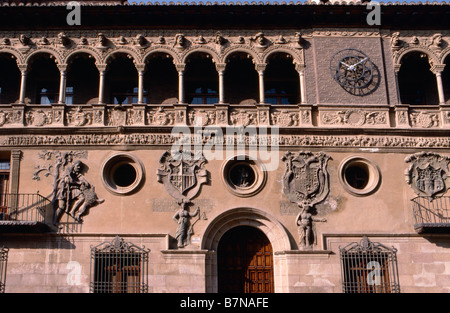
425, 119
242, 117
354, 117
160, 117
79, 117
429, 174
202, 117
344, 141
285, 118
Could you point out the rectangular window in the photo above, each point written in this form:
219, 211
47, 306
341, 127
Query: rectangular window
49, 96
119, 267
5, 167
369, 268
3, 260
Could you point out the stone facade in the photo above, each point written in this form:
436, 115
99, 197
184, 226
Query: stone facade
180, 210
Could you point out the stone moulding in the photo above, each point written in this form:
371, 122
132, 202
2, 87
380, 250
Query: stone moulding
369, 142
283, 116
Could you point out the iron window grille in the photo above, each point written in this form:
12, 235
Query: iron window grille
119, 267
369, 267
3, 261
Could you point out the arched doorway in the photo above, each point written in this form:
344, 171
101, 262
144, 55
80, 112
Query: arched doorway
245, 261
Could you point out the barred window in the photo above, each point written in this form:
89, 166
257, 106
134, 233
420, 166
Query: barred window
369, 267
119, 267
3, 260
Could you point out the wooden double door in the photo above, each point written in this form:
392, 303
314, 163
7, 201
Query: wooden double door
245, 261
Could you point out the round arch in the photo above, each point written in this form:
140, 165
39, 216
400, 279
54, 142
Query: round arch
270, 52
431, 56
128, 51
53, 53
13, 52
213, 54
174, 55
245, 216
83, 50
247, 50
268, 224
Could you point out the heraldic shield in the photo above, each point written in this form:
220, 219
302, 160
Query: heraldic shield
428, 173
306, 177
182, 174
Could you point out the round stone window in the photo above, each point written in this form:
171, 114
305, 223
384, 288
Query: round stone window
359, 176
122, 173
243, 176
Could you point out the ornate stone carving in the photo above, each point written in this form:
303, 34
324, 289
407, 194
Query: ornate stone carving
182, 174
243, 118
72, 193
202, 117
160, 117
5, 117
117, 116
79, 117
306, 177
285, 118
428, 174
184, 226
39, 117
306, 183
354, 117
424, 119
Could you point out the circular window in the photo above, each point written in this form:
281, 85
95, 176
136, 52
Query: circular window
122, 173
359, 176
243, 177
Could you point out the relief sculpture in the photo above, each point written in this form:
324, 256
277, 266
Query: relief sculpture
72, 193
428, 173
306, 184
182, 174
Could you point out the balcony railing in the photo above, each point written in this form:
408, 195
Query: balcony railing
23, 210
432, 215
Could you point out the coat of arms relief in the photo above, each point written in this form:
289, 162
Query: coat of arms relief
306, 183
429, 174
182, 173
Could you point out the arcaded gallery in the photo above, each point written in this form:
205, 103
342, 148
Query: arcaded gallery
235, 147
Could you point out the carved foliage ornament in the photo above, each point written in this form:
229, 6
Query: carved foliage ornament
428, 173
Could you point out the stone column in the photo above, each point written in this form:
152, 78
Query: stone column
221, 71
180, 68
141, 70
23, 82
397, 86
62, 84
260, 69
437, 70
301, 73
101, 87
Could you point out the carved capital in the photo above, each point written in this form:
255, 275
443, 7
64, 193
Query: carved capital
260, 67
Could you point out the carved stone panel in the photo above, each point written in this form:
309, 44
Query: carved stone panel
306, 177
355, 118
182, 174
428, 174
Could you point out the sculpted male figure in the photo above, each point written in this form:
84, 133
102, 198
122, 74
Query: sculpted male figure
74, 194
